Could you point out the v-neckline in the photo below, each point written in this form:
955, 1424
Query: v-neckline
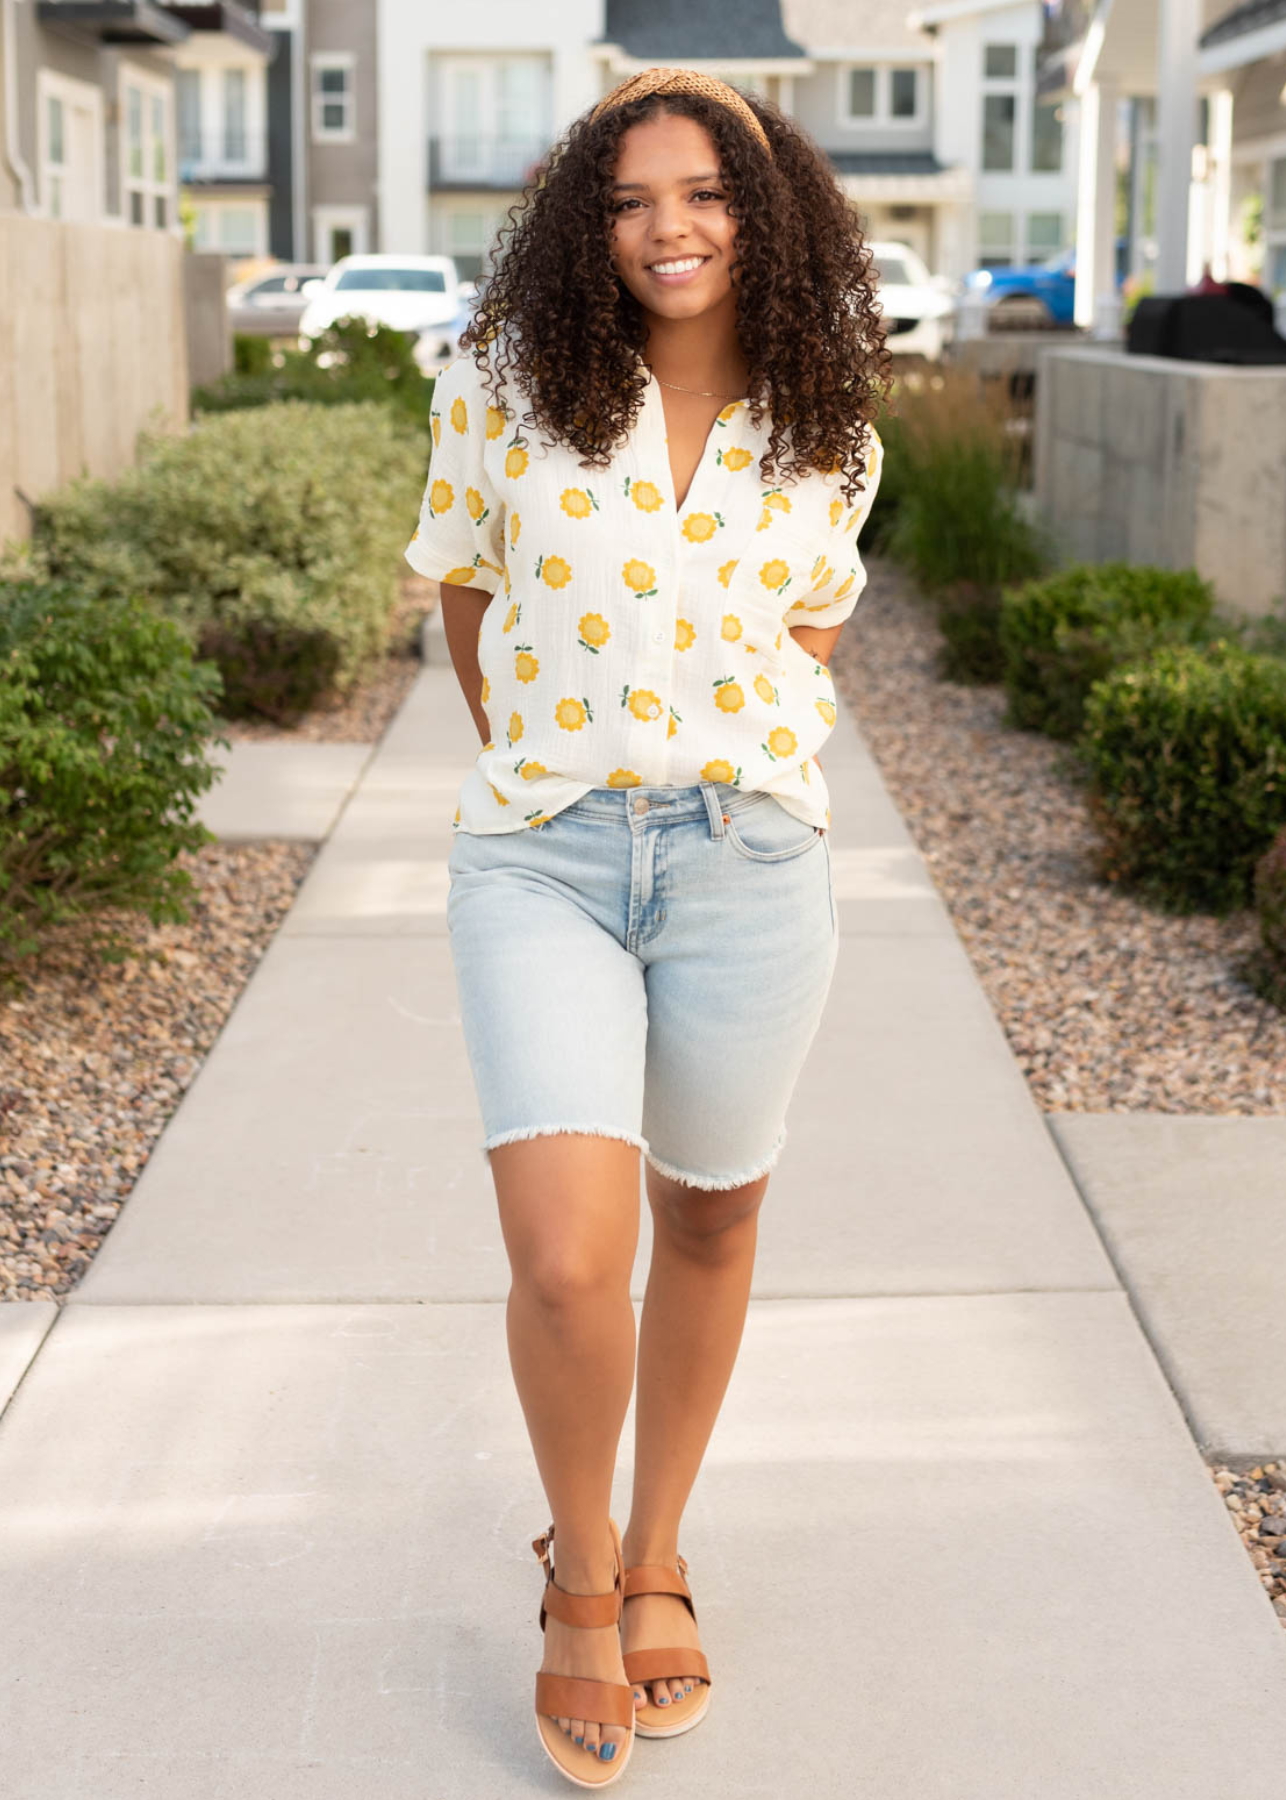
658, 400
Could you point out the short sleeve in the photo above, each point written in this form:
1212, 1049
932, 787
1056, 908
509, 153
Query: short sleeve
838, 574
460, 535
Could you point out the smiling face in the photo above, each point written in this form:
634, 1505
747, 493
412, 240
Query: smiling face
672, 236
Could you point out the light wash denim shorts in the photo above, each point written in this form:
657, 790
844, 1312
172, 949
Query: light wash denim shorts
651, 965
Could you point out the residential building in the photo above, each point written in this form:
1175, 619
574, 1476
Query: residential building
1205, 177
221, 108
91, 127
477, 97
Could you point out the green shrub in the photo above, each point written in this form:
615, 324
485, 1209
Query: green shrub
958, 528
1268, 968
1060, 635
251, 353
104, 716
883, 514
273, 538
1186, 762
348, 363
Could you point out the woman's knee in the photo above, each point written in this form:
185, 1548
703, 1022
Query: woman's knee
710, 1219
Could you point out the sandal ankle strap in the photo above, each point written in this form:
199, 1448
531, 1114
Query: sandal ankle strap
575, 1609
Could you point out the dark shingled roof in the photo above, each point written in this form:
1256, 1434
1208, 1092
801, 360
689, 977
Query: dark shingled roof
684, 31
886, 162
1248, 17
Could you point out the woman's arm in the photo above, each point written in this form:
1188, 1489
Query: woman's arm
818, 640
462, 610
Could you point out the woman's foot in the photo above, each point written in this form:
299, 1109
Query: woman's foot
655, 1622
590, 1651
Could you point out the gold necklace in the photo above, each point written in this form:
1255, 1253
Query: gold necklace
705, 393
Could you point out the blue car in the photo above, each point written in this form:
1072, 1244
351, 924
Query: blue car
1046, 288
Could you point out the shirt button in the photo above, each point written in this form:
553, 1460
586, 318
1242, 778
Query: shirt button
641, 805
658, 637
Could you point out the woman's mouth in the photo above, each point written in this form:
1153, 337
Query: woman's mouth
674, 271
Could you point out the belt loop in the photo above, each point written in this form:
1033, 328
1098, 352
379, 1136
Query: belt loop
714, 811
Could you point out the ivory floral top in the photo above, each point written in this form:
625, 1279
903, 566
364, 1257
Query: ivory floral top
635, 641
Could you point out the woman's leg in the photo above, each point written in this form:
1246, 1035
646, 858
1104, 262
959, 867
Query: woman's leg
694, 1311
569, 1214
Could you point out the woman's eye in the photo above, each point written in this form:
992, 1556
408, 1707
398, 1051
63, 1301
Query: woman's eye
707, 194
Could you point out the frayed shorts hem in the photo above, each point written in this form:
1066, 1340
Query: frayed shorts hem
686, 1176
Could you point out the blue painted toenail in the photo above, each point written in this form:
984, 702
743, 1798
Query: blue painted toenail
580, 1740
663, 1700
607, 1752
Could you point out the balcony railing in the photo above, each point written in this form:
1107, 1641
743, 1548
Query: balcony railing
473, 160
223, 155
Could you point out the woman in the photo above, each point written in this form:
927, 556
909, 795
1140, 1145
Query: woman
657, 441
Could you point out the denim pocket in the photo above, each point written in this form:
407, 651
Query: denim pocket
766, 832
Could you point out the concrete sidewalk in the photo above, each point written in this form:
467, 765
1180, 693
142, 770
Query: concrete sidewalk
266, 1497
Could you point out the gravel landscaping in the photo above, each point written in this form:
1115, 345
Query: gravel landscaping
95, 1057
1108, 1006
1256, 1501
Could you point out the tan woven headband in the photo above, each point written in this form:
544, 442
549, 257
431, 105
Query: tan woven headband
683, 81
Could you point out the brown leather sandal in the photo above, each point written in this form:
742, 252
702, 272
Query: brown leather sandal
651, 1720
578, 1696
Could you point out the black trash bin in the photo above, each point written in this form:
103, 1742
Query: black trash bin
1235, 326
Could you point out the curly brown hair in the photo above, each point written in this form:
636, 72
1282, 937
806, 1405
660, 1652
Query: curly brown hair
559, 320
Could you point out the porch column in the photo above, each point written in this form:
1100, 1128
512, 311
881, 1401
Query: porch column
1221, 181
1178, 24
1094, 303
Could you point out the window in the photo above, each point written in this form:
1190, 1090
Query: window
880, 94
995, 239
861, 93
467, 234
998, 131
231, 230
187, 92
495, 119
393, 281
1000, 62
55, 156
339, 231
333, 98
902, 84
145, 179
1044, 235
1046, 137
234, 115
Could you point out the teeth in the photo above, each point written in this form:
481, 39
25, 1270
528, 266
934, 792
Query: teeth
678, 268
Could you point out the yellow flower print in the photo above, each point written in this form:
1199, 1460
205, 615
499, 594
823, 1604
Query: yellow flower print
725, 573
495, 422
539, 818
594, 631
765, 690
511, 617
803, 769
500, 799
572, 714
624, 778
775, 574
720, 769
459, 415
441, 497
526, 666
436, 424
699, 528
842, 592
515, 728
822, 576
685, 634
578, 503
461, 577
478, 508
781, 741
515, 461
642, 702
676, 720
728, 696
837, 507
640, 576
415, 534
827, 709
554, 571
727, 413
646, 495
515, 526
456, 819
776, 643
486, 690
774, 502
731, 628
508, 583
530, 771
734, 459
